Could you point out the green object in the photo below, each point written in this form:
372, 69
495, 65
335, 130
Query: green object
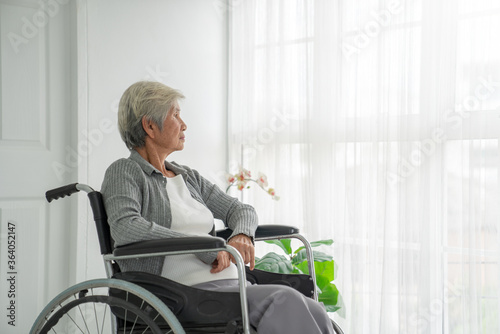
295, 262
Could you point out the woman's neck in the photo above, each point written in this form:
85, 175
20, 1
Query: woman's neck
156, 159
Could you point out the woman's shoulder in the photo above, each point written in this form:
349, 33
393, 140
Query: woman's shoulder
121, 174
124, 165
124, 169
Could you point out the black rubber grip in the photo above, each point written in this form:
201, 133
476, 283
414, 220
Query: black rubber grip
61, 192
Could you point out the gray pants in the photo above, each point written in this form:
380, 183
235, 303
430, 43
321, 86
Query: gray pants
276, 309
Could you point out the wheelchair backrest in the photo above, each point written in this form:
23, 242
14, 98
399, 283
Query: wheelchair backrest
101, 222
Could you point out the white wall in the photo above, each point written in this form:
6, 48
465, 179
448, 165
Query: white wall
181, 43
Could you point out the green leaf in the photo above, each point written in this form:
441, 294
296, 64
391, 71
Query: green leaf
324, 269
340, 303
275, 263
284, 244
318, 257
332, 299
339, 306
322, 281
329, 295
326, 242
332, 308
302, 267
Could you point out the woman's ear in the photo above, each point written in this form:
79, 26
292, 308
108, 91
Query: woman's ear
148, 126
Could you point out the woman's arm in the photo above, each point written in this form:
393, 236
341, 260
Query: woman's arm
239, 217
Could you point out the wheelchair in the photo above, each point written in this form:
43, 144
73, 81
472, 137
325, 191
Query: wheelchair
138, 302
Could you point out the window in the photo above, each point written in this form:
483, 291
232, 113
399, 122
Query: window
378, 123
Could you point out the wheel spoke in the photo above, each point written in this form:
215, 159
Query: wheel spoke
83, 319
154, 319
96, 319
145, 330
75, 323
104, 319
133, 324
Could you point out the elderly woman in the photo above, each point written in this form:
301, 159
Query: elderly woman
147, 197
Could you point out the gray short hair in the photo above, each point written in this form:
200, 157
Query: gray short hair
147, 99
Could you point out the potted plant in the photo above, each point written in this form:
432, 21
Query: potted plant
295, 262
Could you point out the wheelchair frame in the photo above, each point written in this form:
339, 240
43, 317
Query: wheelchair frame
161, 247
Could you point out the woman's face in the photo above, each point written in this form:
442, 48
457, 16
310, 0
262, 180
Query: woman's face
171, 138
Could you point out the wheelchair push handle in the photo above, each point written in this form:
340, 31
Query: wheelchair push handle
66, 190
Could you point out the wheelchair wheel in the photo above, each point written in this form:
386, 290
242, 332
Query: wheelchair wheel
90, 308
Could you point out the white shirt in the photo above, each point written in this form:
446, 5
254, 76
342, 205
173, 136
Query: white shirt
191, 217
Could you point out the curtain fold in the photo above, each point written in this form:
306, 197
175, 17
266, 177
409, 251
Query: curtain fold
378, 124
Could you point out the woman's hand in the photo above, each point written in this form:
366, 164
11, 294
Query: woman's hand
222, 262
244, 245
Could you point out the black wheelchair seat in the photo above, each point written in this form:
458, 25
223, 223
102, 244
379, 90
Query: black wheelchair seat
192, 307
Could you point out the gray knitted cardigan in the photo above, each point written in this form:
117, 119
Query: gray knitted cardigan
138, 208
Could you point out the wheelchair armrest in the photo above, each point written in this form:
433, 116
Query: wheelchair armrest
170, 245
264, 231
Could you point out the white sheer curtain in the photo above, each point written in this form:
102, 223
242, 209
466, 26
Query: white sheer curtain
378, 124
